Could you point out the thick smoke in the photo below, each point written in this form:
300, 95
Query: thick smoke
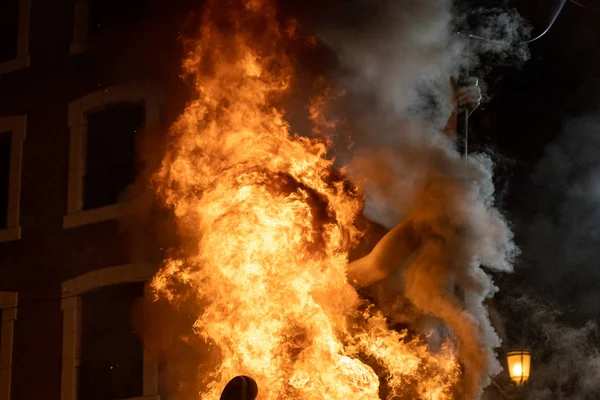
401, 60
499, 32
449, 201
401, 51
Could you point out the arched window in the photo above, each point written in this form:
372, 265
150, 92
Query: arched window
102, 356
103, 128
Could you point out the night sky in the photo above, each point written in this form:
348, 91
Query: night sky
529, 109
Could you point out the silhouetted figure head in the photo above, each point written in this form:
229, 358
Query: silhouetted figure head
240, 388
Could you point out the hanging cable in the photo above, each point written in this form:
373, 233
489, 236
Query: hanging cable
470, 36
552, 21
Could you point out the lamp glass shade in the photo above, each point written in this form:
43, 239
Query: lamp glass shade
519, 365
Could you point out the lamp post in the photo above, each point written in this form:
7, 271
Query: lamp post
519, 369
519, 365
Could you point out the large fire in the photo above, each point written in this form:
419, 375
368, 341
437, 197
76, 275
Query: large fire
272, 225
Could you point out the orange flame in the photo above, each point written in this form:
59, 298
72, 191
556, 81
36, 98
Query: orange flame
269, 268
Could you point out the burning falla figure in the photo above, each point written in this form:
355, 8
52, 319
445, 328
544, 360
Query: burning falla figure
393, 252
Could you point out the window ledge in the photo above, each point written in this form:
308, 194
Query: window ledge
107, 277
81, 218
10, 234
15, 64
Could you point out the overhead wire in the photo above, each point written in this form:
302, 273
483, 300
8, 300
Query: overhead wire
490, 40
552, 21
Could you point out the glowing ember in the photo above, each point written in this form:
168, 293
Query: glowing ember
272, 227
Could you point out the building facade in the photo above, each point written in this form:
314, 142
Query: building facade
80, 81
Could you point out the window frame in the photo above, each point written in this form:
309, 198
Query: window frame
81, 9
78, 111
23, 59
72, 317
17, 126
8, 305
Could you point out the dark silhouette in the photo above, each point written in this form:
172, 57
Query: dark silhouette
240, 388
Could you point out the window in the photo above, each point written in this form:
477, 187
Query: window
102, 357
12, 134
103, 128
8, 314
9, 29
112, 356
96, 17
14, 35
110, 153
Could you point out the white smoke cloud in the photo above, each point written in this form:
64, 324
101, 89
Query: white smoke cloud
450, 203
399, 64
500, 32
401, 51
405, 51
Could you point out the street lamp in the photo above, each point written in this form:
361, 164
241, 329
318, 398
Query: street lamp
519, 365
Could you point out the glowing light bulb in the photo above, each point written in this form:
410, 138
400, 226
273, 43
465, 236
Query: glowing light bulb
517, 370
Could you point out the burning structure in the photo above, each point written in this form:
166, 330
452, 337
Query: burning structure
267, 226
266, 233
266, 218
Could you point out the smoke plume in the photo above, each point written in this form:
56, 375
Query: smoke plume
400, 51
397, 66
450, 203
